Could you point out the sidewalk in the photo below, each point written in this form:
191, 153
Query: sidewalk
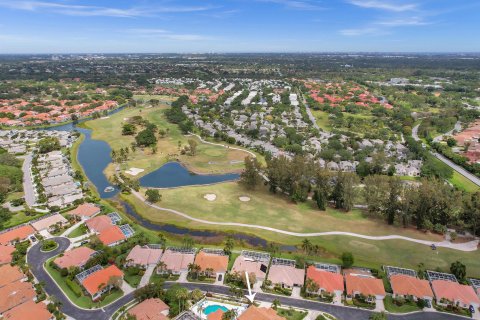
146, 276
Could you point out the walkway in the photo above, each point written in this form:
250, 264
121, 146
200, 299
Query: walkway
221, 145
449, 163
146, 276
467, 246
27, 181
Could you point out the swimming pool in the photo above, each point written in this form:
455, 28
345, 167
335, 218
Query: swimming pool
213, 308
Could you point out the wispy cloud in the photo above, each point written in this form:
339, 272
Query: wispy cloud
384, 5
165, 34
88, 10
297, 4
370, 31
414, 21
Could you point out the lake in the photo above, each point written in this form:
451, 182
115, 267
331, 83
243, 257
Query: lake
173, 174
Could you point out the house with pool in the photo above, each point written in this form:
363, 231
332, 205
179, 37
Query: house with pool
213, 309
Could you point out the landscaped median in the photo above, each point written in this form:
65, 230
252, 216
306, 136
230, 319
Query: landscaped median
75, 293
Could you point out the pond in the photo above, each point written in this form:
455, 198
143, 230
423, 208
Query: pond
173, 174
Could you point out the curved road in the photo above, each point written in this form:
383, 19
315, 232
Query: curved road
467, 246
36, 259
449, 163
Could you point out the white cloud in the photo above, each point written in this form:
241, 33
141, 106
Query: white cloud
297, 4
87, 10
370, 31
165, 34
414, 21
384, 5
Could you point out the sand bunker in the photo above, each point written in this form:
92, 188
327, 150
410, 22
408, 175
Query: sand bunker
244, 198
134, 171
210, 196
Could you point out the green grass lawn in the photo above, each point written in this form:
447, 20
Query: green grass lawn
291, 314
208, 159
322, 119
19, 218
463, 183
232, 259
78, 231
82, 301
392, 307
132, 280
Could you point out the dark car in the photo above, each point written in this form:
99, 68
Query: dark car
33, 238
472, 309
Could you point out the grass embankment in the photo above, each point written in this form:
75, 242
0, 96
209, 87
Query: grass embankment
208, 159
463, 183
291, 314
82, 301
271, 210
78, 231
322, 119
406, 307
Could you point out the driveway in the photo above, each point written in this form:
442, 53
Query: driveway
27, 181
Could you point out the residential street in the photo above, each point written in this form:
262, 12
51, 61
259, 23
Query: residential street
36, 260
27, 181
449, 163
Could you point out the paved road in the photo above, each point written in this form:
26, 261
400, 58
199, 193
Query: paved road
467, 246
27, 181
449, 163
36, 260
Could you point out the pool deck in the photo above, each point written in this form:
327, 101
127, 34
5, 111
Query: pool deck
204, 303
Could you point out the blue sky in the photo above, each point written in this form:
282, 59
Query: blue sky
80, 26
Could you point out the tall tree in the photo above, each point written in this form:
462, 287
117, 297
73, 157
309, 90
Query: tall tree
250, 178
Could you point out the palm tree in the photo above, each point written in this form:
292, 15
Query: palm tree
306, 246
182, 296
209, 272
275, 304
194, 269
162, 266
312, 286
230, 314
196, 295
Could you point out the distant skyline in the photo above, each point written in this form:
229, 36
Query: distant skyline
202, 26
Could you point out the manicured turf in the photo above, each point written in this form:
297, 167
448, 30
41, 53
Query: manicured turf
78, 231
368, 253
209, 159
322, 119
392, 307
19, 218
463, 183
291, 314
267, 209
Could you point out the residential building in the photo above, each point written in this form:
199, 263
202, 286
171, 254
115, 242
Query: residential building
77, 257
328, 282
14, 294
85, 211
11, 236
253, 263
405, 285
176, 260
150, 309
48, 222
212, 262
283, 273
6, 254
10, 274
371, 288
144, 256
98, 224
112, 236
97, 283
454, 293
258, 313
29, 310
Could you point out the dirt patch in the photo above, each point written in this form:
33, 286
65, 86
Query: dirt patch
134, 171
210, 197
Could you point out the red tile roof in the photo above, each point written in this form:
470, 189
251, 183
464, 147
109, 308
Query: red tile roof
111, 235
74, 258
216, 262
10, 274
364, 285
256, 313
217, 315
98, 280
15, 293
85, 210
407, 285
6, 254
150, 309
28, 310
21, 233
99, 223
328, 281
454, 291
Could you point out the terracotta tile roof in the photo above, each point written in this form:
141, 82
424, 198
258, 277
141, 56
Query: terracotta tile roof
98, 224
150, 309
364, 285
111, 235
14, 294
241, 265
101, 277
28, 310
48, 222
85, 210
217, 315
74, 258
213, 261
10, 274
408, 285
328, 281
454, 291
286, 274
144, 256
176, 261
256, 313
6, 254
18, 233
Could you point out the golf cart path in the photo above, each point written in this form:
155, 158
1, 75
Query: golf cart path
467, 246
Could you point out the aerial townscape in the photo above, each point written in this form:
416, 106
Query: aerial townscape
239, 160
